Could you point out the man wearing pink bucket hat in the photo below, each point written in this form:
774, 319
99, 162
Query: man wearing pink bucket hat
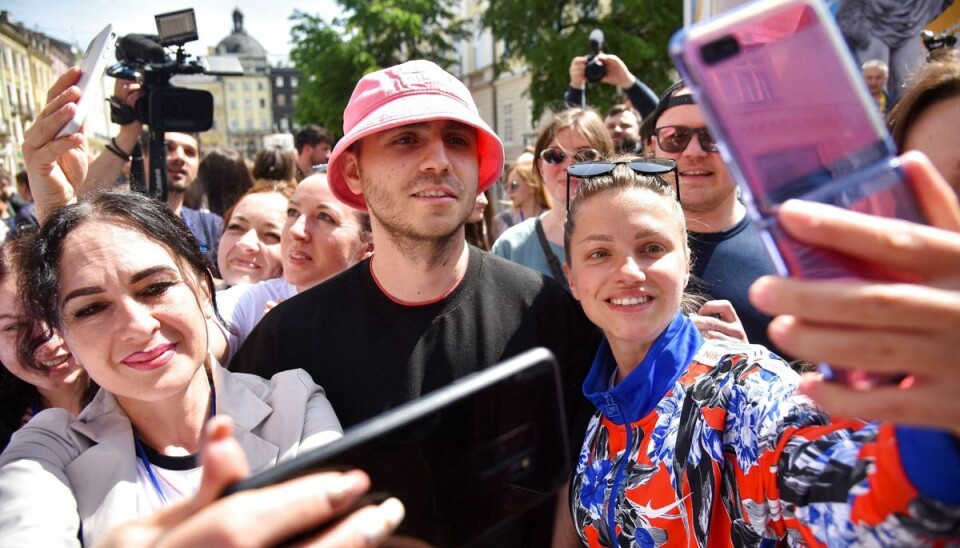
426, 308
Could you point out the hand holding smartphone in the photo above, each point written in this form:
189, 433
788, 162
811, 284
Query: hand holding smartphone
793, 119
94, 62
465, 460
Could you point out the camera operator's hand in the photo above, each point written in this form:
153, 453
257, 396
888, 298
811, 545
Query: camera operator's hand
56, 167
108, 166
578, 66
617, 73
265, 517
128, 92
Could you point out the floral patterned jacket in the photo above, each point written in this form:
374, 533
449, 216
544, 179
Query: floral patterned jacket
706, 444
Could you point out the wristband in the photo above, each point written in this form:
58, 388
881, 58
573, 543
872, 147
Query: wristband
112, 147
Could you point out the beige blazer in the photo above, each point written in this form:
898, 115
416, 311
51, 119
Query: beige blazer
60, 472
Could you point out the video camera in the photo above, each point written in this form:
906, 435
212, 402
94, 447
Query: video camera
163, 107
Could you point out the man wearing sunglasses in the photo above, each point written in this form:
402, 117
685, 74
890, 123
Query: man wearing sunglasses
728, 254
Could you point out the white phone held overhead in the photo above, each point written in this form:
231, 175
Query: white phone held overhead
92, 67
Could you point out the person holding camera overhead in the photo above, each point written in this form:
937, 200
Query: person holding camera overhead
606, 68
622, 120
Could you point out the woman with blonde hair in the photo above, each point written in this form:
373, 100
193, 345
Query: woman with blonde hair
528, 195
574, 135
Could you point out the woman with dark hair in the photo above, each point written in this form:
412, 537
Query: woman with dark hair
698, 442
25, 391
139, 322
927, 116
276, 164
222, 177
574, 135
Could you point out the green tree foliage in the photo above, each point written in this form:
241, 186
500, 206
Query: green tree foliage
373, 34
547, 34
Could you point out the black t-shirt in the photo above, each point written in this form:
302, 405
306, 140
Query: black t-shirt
370, 353
727, 263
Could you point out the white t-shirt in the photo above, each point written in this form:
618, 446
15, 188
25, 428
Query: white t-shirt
242, 306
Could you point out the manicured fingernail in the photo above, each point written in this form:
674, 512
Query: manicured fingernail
392, 511
384, 521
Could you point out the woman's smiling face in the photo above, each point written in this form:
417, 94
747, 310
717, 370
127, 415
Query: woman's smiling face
628, 266
136, 321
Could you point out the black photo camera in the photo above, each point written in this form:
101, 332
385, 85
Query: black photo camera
595, 71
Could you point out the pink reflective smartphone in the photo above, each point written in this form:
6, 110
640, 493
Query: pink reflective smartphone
788, 107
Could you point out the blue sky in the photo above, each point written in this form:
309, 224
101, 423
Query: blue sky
77, 21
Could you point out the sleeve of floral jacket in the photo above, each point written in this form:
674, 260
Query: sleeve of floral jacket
793, 471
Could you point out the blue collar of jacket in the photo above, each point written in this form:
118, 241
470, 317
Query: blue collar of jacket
637, 395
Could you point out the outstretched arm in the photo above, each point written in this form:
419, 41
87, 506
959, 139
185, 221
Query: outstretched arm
264, 517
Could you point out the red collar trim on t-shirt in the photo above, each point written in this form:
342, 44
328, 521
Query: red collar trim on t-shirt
424, 303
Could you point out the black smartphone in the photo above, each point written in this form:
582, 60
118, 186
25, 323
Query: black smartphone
464, 459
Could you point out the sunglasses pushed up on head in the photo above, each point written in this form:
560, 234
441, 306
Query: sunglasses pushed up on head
649, 165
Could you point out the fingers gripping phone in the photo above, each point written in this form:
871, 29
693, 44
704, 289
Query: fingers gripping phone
91, 68
793, 119
466, 460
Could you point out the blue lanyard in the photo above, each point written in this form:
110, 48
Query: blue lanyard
142, 454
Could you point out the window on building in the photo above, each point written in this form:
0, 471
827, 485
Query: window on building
293, 100
232, 86
281, 100
263, 103
246, 86
264, 124
250, 123
284, 125
259, 86
248, 103
234, 124
278, 82
233, 104
294, 82
506, 129
479, 59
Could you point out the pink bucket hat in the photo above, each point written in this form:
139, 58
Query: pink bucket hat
409, 93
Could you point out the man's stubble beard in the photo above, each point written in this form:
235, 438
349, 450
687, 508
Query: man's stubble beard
414, 243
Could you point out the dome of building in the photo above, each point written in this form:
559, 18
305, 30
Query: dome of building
239, 42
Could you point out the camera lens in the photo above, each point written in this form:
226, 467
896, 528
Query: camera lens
595, 71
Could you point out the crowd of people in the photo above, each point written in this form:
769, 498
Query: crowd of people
154, 352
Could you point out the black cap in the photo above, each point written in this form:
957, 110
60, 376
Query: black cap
667, 100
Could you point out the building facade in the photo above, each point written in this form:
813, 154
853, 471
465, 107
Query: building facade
285, 84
